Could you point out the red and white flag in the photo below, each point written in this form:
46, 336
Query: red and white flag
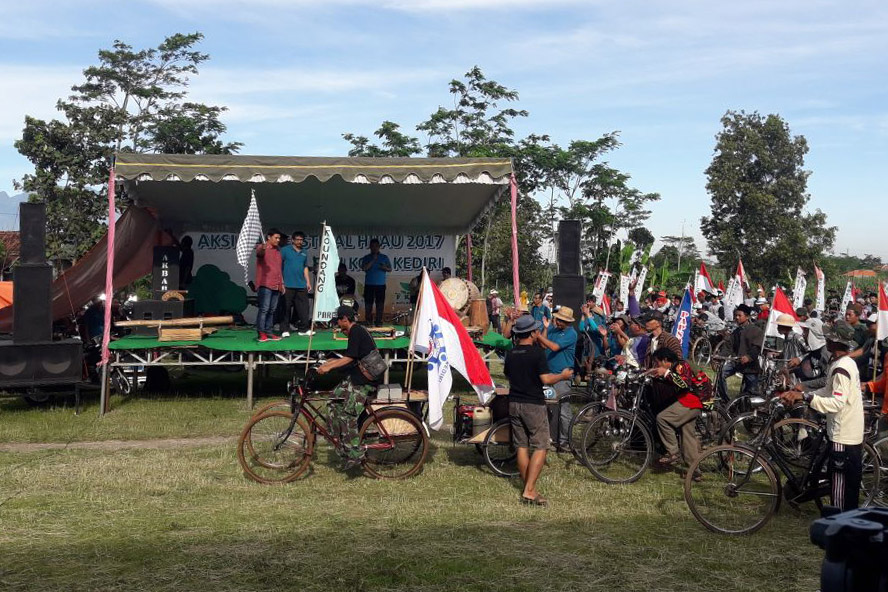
702, 281
882, 323
780, 305
741, 273
441, 337
606, 305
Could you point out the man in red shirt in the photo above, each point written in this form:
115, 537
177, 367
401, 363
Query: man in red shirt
270, 282
682, 413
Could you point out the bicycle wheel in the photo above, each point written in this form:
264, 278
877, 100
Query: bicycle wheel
268, 454
617, 447
710, 424
729, 490
880, 448
721, 351
395, 444
742, 428
120, 382
578, 425
794, 439
701, 351
871, 492
498, 451
281, 404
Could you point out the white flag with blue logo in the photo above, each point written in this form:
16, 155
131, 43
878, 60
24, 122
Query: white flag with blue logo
326, 299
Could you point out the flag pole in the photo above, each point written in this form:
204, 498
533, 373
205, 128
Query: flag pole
314, 306
411, 353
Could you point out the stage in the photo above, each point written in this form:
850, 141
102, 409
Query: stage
239, 347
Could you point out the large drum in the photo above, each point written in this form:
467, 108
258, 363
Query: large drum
456, 291
478, 314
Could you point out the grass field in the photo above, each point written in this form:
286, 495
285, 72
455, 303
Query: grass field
187, 519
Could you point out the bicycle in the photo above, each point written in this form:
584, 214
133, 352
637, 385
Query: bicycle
618, 445
276, 445
736, 488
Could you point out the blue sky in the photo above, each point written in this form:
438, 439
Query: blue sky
297, 74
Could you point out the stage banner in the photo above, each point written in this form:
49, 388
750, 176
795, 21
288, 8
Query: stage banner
408, 255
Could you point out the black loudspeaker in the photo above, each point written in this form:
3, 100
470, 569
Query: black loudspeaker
39, 364
165, 276
569, 247
159, 310
569, 290
32, 231
32, 317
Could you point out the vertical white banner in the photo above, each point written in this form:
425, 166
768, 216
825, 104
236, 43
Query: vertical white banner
624, 289
846, 299
639, 285
326, 300
798, 290
820, 303
600, 285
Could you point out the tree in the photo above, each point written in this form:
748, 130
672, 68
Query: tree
133, 100
758, 187
394, 143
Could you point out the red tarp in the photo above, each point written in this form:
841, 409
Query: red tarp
137, 234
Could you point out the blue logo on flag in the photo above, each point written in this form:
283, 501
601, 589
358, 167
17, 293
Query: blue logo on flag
682, 327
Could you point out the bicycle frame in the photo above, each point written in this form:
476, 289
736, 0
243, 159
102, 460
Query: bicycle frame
305, 406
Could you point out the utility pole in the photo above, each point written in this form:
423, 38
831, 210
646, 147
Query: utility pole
681, 245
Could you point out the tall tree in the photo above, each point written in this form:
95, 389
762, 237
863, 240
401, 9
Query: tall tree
133, 100
758, 187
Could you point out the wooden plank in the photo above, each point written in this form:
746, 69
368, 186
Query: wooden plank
186, 322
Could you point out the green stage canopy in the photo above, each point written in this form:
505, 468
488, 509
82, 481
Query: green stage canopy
354, 195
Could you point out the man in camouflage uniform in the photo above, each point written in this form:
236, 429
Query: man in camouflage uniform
350, 396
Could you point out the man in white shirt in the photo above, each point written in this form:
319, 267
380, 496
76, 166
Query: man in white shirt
841, 401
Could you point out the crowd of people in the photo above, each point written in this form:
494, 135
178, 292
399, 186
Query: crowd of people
828, 362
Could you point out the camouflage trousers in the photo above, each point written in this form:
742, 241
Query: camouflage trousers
344, 416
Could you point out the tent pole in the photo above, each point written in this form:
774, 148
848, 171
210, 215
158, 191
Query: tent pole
411, 352
513, 185
469, 256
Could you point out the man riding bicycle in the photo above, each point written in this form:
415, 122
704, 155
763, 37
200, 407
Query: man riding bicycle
351, 394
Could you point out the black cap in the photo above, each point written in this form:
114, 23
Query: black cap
345, 312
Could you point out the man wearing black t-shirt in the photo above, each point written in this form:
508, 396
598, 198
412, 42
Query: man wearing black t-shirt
527, 369
354, 389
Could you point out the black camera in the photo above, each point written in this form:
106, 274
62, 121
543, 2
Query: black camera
856, 545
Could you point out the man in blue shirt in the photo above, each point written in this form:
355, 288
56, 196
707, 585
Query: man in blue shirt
298, 283
561, 341
539, 310
376, 266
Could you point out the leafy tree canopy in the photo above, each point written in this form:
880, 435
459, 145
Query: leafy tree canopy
758, 186
133, 100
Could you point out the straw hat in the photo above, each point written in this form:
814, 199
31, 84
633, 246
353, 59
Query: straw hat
786, 320
565, 313
494, 293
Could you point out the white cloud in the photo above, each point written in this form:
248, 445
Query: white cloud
31, 90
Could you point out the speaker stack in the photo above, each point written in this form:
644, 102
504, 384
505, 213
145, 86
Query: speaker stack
164, 277
31, 357
569, 286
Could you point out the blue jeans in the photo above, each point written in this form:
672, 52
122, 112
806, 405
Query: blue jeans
268, 300
749, 384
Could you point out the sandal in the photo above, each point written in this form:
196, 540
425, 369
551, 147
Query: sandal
535, 501
669, 459
696, 477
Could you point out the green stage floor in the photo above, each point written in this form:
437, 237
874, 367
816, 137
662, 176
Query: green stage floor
244, 340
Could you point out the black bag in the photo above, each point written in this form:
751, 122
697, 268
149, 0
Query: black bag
373, 365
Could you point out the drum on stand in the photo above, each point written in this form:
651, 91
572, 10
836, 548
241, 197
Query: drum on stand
478, 314
456, 292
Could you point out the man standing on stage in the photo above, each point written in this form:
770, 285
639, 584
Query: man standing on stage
270, 282
376, 266
298, 284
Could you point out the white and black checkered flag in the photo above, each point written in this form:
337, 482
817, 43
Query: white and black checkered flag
250, 234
